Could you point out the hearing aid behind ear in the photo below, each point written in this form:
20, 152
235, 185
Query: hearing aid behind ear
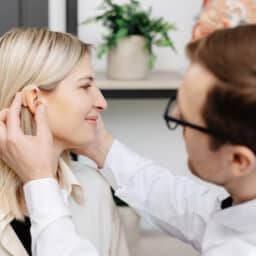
23, 91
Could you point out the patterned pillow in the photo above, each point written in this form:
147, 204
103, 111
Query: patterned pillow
218, 14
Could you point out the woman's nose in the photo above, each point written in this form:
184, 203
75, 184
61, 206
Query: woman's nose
100, 101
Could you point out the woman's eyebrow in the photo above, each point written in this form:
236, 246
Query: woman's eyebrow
91, 78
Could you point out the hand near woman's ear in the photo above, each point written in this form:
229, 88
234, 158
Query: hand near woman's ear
99, 148
31, 157
30, 97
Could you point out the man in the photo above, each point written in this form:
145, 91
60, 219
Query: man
216, 107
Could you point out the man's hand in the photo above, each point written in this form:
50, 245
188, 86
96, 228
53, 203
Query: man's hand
31, 157
99, 148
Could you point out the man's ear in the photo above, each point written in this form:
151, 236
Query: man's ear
31, 97
243, 160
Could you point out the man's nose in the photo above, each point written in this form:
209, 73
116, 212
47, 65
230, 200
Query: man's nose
175, 112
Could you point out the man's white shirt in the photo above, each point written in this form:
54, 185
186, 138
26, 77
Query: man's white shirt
177, 205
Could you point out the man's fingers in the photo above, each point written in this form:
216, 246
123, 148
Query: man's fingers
2, 136
3, 115
43, 128
13, 116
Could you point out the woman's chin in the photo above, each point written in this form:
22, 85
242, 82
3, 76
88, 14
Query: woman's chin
74, 140
79, 143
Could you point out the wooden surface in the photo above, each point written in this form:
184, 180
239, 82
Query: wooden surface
154, 81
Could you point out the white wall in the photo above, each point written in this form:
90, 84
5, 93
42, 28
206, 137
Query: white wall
181, 12
139, 124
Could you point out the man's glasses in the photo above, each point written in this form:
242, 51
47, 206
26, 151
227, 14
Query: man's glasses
172, 122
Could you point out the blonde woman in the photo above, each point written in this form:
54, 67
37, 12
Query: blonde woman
54, 69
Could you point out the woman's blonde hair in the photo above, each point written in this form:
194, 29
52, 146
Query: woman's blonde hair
31, 56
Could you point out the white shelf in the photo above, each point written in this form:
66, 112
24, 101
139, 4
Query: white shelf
161, 80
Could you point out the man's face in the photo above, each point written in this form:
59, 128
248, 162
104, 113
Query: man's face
203, 162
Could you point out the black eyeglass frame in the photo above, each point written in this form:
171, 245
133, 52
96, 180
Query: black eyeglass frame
184, 123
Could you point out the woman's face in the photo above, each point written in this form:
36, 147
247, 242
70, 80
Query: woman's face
73, 108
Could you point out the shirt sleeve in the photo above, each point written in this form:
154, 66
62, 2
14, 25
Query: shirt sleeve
52, 228
176, 204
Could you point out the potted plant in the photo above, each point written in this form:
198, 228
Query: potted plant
132, 34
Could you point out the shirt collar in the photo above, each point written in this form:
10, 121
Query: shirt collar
228, 202
69, 182
239, 217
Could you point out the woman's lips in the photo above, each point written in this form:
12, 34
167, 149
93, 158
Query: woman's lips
92, 119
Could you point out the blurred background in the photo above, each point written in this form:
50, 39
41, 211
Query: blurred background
136, 104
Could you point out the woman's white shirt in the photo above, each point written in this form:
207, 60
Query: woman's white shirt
95, 222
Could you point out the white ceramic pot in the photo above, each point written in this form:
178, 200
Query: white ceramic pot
128, 60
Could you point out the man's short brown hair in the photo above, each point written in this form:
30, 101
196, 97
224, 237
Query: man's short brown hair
230, 107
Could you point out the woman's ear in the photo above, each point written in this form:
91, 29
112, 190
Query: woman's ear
31, 97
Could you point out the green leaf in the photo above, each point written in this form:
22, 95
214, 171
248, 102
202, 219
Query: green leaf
89, 20
120, 22
102, 49
121, 33
163, 42
151, 61
110, 3
173, 47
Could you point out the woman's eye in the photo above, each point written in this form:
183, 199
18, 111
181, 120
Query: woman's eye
86, 87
